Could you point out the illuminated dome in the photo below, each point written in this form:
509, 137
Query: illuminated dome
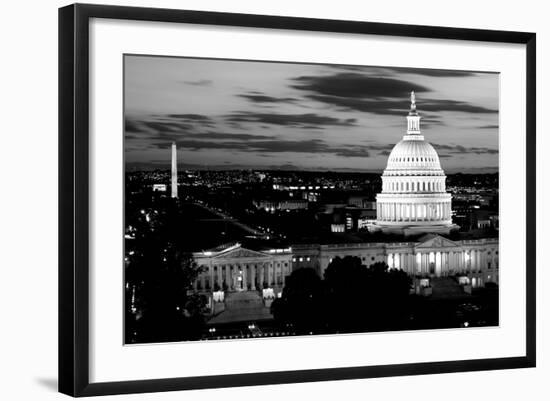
413, 154
413, 197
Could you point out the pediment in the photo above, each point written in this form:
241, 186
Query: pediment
241, 253
436, 241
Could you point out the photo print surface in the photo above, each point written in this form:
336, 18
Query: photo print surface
268, 199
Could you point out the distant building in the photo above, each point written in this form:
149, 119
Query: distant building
430, 256
361, 202
235, 268
159, 187
287, 204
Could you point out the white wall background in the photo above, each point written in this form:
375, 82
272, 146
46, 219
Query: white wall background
28, 199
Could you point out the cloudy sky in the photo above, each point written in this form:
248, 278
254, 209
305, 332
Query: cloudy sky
241, 114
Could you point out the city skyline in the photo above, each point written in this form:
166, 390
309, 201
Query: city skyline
226, 114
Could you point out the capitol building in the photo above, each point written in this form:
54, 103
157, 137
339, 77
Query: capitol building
413, 206
413, 198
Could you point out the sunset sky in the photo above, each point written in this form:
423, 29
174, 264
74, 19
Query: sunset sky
242, 114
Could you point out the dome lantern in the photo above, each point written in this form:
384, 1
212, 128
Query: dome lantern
413, 119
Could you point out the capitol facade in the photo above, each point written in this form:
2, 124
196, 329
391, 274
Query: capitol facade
413, 198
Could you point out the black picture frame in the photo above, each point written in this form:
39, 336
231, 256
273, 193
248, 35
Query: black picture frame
74, 201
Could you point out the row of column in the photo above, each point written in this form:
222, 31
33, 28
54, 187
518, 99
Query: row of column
243, 276
439, 263
414, 186
414, 212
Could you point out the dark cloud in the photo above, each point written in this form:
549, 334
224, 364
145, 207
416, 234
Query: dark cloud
459, 149
365, 105
399, 107
428, 72
475, 170
199, 145
353, 152
262, 98
169, 125
381, 147
380, 94
229, 136
286, 166
190, 117
431, 121
201, 82
353, 85
131, 126
388, 71
436, 105
265, 147
307, 146
308, 120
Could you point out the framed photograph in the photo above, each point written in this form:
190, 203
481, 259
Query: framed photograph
251, 199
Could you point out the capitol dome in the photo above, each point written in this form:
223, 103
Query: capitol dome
413, 197
413, 154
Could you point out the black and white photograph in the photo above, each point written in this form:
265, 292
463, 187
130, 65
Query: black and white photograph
268, 199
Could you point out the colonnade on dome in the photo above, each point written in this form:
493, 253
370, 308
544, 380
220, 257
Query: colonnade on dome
407, 212
415, 184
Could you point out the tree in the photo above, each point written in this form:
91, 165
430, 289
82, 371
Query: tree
301, 304
160, 305
389, 289
351, 298
347, 295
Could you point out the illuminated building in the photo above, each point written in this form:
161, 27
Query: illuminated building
174, 183
413, 198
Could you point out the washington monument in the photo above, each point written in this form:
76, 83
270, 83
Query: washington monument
174, 171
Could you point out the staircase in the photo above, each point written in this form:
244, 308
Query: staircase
242, 306
446, 287
243, 300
